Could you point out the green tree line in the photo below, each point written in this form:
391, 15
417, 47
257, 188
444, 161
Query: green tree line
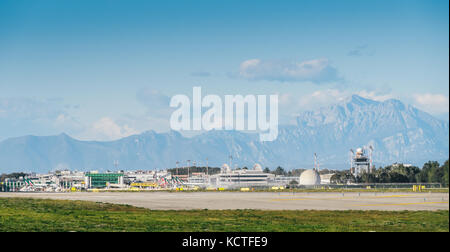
431, 172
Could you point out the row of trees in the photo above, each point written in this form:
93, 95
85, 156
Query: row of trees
431, 172
279, 171
14, 175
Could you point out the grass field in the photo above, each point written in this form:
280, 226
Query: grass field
22, 214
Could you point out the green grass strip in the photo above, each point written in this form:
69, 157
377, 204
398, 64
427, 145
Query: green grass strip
25, 215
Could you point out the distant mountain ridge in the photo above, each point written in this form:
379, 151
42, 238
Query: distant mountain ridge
398, 132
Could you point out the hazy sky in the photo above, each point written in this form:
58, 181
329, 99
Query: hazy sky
106, 69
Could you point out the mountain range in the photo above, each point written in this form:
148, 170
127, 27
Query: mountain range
398, 133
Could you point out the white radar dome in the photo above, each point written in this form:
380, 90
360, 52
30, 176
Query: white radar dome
310, 177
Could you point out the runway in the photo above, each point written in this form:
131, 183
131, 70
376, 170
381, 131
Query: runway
259, 200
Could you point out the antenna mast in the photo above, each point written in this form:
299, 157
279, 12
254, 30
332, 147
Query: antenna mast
207, 174
352, 153
189, 165
315, 161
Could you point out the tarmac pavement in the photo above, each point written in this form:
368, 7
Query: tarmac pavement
257, 200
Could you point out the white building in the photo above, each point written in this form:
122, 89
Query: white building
241, 178
325, 179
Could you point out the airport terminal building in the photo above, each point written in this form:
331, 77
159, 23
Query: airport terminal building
241, 178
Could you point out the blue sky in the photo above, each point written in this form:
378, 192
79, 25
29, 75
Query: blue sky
103, 69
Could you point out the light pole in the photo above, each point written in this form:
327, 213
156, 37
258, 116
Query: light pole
189, 165
231, 167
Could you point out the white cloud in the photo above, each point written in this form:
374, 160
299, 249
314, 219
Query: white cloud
32, 116
155, 117
376, 96
67, 123
324, 97
316, 70
107, 129
432, 103
24, 116
291, 105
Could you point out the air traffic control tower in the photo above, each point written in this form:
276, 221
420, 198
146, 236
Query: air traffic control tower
360, 162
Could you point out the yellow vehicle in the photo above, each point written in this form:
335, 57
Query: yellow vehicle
143, 184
